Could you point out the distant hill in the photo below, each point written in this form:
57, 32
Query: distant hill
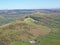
27, 11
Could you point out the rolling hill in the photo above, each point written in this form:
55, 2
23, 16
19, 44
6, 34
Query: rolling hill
22, 30
44, 28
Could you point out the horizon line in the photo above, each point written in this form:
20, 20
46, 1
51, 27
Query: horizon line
30, 8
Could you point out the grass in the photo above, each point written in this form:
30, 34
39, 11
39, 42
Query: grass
50, 39
19, 43
29, 20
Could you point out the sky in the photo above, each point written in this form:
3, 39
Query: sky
29, 4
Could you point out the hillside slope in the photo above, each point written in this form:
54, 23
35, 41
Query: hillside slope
22, 30
53, 22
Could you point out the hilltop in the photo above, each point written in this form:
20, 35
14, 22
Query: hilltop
22, 30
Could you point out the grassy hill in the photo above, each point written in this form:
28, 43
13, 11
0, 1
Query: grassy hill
44, 28
53, 22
